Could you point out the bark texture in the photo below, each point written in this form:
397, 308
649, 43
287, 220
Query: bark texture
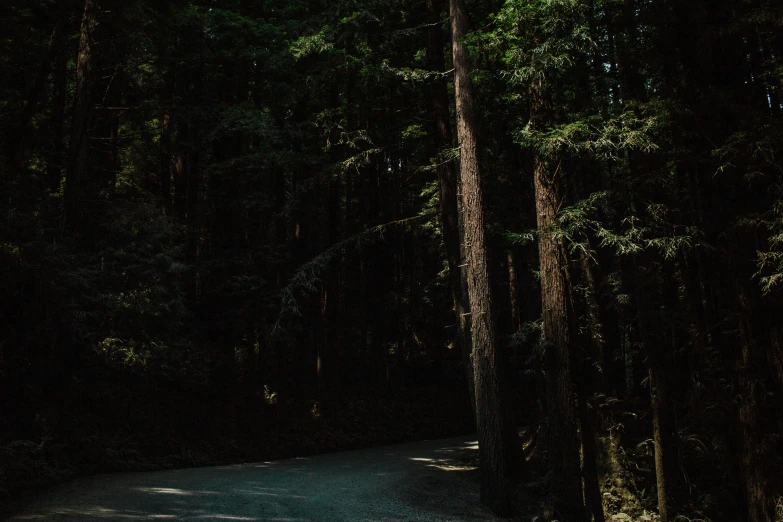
559, 330
490, 411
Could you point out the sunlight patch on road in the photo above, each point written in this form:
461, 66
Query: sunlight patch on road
445, 464
225, 517
173, 491
252, 465
451, 467
235, 517
95, 512
262, 492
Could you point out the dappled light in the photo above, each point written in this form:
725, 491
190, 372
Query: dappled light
255, 465
172, 491
457, 458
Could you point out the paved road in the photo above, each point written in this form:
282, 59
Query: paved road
421, 481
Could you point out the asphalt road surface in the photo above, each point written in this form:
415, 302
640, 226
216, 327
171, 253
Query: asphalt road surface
421, 481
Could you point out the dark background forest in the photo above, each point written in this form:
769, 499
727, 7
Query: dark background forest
242, 229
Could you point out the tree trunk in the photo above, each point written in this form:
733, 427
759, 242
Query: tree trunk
490, 410
588, 375
513, 292
181, 169
54, 167
328, 324
659, 358
751, 416
558, 330
447, 180
167, 107
77, 155
661, 439
588, 424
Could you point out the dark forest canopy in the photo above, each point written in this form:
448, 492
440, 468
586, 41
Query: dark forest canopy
565, 215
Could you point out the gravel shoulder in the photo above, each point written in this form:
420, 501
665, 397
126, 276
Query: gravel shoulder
421, 481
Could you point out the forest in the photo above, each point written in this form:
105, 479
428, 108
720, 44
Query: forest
243, 229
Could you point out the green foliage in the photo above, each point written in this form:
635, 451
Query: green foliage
770, 263
609, 139
540, 39
309, 45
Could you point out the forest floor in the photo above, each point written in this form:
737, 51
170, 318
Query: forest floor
427, 481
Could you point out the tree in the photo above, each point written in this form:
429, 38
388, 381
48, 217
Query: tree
447, 183
558, 326
78, 143
490, 410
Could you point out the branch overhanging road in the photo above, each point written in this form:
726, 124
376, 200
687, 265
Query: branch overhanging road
421, 481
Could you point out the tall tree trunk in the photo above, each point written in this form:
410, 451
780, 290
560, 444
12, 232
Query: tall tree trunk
447, 180
54, 167
326, 360
490, 410
513, 292
167, 107
77, 155
751, 384
658, 353
659, 359
588, 375
183, 160
588, 426
659, 398
559, 329
106, 131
